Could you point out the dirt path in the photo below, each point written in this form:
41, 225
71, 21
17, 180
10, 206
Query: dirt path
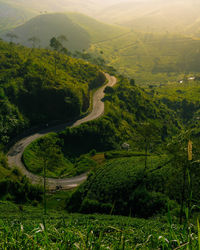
16, 152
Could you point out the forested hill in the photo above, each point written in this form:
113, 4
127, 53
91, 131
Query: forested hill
80, 30
39, 86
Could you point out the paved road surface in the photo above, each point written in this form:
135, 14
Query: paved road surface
16, 152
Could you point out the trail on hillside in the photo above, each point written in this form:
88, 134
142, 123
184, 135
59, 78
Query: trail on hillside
16, 152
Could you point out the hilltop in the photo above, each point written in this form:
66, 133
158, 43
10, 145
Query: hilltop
81, 31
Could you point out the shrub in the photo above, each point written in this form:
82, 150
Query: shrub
92, 152
145, 204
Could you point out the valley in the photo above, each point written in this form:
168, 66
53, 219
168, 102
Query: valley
99, 124
16, 152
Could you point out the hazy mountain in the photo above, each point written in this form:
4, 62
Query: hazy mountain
154, 15
79, 29
12, 15
47, 26
16, 12
145, 15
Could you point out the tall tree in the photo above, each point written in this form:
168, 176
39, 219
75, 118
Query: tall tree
148, 134
57, 46
49, 155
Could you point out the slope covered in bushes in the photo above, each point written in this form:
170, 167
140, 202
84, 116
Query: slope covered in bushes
39, 86
131, 115
128, 186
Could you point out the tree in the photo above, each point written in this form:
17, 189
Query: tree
57, 46
49, 154
132, 82
184, 158
148, 134
34, 40
62, 39
11, 36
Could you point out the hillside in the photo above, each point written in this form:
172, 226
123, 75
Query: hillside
128, 108
148, 57
12, 15
154, 15
32, 78
44, 27
146, 16
81, 31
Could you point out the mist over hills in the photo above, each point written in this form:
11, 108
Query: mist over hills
180, 16
154, 40
12, 15
155, 15
47, 26
80, 30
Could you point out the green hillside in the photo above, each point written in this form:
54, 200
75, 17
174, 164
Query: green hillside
39, 86
148, 57
151, 58
127, 186
80, 30
128, 108
44, 27
98, 31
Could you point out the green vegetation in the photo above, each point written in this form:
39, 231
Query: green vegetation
61, 24
152, 179
126, 186
110, 131
151, 58
27, 228
16, 187
30, 94
148, 57
118, 187
183, 97
47, 152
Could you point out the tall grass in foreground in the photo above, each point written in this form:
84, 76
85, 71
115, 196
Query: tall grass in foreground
62, 233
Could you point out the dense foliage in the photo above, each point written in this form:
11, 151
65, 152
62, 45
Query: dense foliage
39, 86
128, 110
16, 187
119, 188
142, 186
48, 153
182, 97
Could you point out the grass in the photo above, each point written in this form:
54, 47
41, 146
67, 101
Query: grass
150, 57
29, 229
64, 169
175, 91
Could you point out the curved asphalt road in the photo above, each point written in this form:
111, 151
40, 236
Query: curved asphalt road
16, 152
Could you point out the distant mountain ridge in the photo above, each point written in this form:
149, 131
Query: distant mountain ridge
154, 15
12, 15
47, 26
141, 15
80, 30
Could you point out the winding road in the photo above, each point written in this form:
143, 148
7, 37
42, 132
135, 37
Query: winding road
16, 152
